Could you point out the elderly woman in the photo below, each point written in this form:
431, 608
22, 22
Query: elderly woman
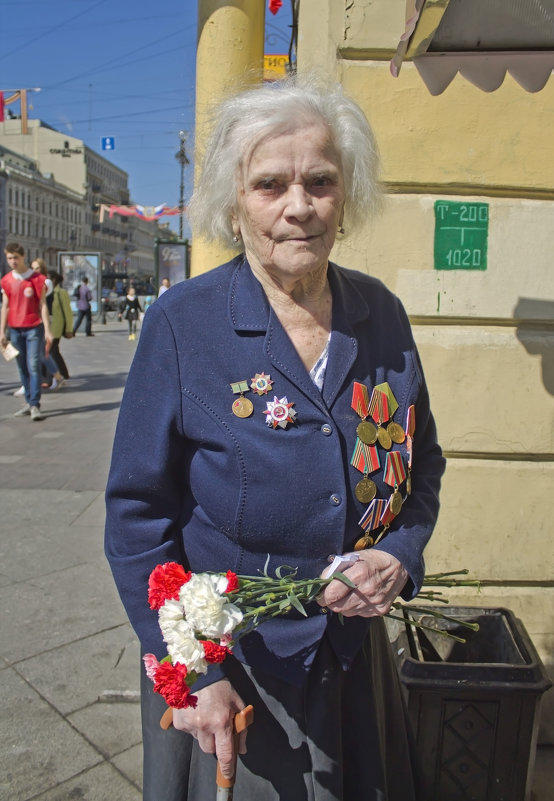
281, 402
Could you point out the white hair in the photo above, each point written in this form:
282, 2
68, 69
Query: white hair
244, 120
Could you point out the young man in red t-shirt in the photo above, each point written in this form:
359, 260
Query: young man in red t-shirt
25, 311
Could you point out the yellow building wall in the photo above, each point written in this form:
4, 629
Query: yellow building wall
486, 337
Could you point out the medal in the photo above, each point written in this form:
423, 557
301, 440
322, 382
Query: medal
396, 433
379, 410
366, 431
410, 431
365, 458
279, 412
365, 490
384, 438
261, 383
364, 542
242, 407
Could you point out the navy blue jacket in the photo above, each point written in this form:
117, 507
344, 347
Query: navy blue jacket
193, 483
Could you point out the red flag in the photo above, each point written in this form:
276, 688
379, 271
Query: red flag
275, 5
1, 106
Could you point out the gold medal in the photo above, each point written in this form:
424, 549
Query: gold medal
384, 438
242, 407
364, 542
365, 490
409, 483
396, 433
367, 432
395, 502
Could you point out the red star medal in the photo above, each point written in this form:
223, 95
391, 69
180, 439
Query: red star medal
279, 412
261, 383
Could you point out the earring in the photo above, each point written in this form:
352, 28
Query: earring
236, 239
340, 229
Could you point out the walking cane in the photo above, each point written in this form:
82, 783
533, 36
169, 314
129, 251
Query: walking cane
242, 720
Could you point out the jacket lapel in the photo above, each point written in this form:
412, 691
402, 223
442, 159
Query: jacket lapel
250, 311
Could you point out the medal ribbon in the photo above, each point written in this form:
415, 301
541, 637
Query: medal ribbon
395, 470
388, 515
239, 387
372, 516
379, 406
360, 399
365, 458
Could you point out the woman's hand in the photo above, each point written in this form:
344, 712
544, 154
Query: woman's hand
379, 579
212, 723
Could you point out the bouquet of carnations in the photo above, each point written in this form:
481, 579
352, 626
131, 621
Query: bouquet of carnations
201, 615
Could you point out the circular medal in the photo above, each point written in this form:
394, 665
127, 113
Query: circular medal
365, 490
384, 438
396, 433
396, 502
243, 407
367, 432
363, 542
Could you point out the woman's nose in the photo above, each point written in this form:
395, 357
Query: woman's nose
298, 202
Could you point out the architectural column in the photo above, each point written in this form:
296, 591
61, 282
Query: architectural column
230, 46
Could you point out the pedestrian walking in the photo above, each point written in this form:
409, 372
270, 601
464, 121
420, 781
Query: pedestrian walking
51, 374
25, 312
84, 297
62, 321
131, 309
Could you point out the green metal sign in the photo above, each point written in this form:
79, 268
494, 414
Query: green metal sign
461, 232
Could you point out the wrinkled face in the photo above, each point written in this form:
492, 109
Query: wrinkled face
290, 198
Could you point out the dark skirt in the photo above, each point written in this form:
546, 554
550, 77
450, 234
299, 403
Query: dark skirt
342, 736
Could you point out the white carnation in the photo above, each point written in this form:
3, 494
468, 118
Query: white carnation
207, 607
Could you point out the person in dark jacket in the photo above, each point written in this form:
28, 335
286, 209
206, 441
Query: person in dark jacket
131, 309
283, 409
83, 296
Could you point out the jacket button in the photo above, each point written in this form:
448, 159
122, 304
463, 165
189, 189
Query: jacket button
336, 500
326, 429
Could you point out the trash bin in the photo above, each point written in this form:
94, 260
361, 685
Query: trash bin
474, 707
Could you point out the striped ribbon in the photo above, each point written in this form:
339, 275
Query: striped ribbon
360, 399
365, 458
379, 406
372, 516
388, 515
395, 470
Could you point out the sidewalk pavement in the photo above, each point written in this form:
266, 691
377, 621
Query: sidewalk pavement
69, 661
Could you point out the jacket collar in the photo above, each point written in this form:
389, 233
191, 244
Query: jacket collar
251, 312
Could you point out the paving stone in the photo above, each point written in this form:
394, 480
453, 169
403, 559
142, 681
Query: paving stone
77, 675
39, 749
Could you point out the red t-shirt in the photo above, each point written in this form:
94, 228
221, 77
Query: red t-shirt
23, 294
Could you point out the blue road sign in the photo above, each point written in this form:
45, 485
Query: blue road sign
108, 143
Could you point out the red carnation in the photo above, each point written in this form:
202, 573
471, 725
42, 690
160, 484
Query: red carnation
213, 652
171, 684
275, 5
165, 582
232, 581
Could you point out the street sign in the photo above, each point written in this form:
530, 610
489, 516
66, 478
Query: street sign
108, 143
461, 233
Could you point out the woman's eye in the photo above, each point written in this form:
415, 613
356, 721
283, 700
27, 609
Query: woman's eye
267, 184
321, 180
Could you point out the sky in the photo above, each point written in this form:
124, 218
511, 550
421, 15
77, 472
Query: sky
108, 68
